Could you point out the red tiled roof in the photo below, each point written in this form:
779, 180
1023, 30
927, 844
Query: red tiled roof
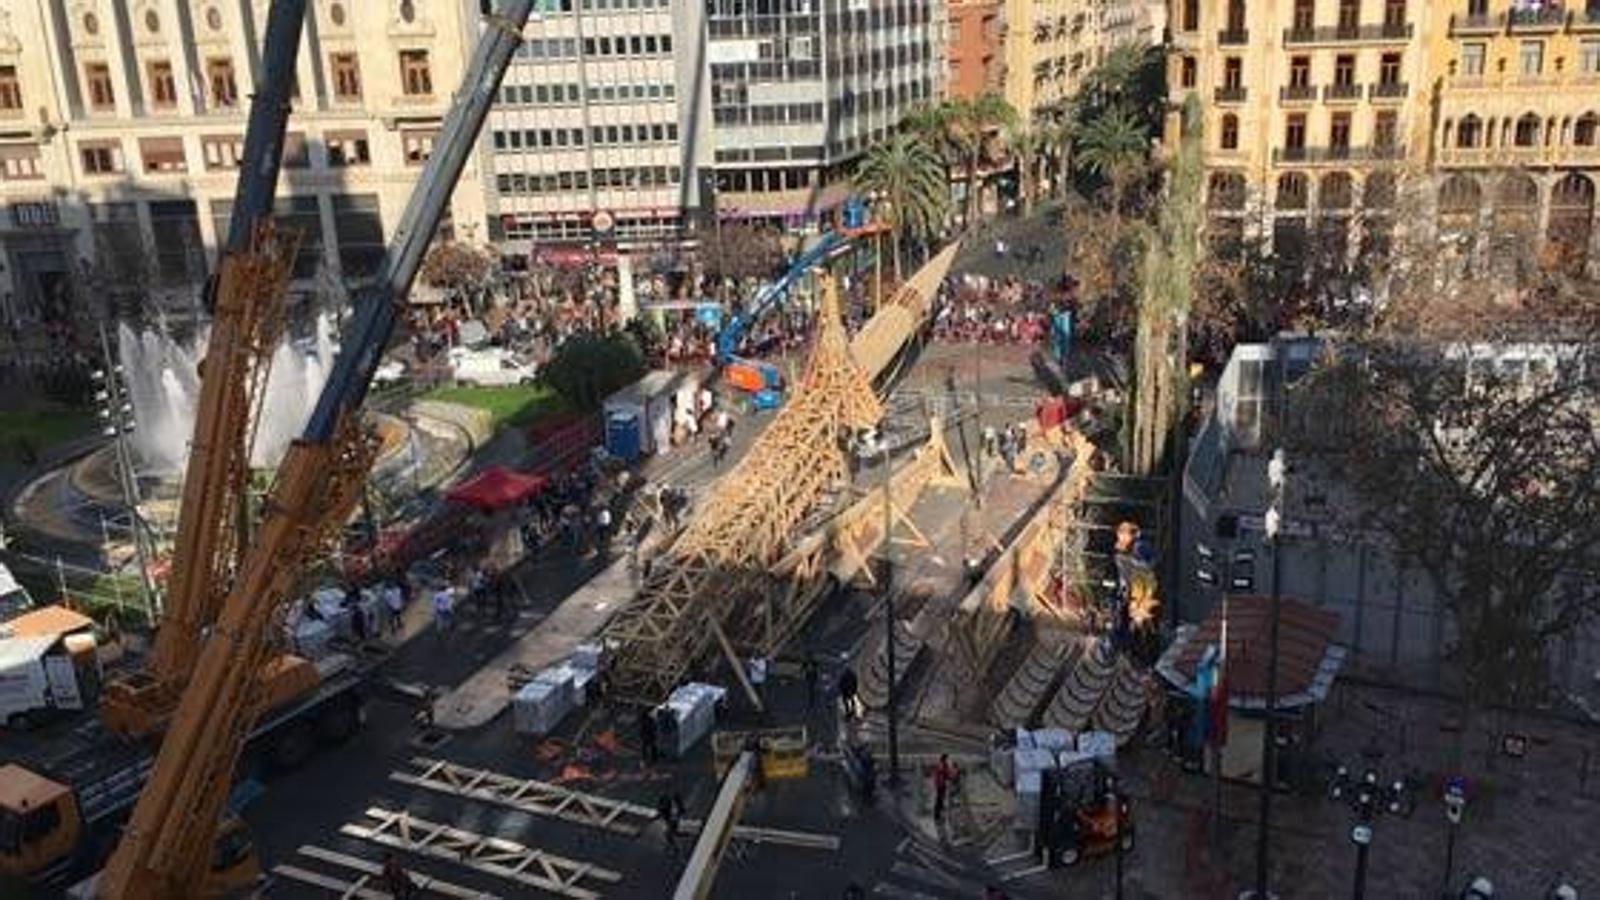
1304, 634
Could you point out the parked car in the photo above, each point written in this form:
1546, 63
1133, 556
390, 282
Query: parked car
489, 367
1242, 576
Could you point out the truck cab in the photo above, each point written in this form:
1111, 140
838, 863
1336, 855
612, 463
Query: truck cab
40, 825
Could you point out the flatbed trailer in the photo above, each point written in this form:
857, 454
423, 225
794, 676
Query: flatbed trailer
105, 773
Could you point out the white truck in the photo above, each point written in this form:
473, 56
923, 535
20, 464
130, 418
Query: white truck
488, 367
48, 662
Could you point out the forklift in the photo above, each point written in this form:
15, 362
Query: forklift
1083, 813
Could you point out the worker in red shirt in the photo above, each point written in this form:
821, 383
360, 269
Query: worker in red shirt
946, 775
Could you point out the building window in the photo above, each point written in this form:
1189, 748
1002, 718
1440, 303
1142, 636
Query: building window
1349, 15
1191, 15
1233, 73
1236, 16
1385, 129
1344, 70
1469, 133
347, 149
1305, 15
296, 152
416, 77
222, 152
358, 227
346, 76
163, 84
1294, 191
220, 78
10, 90
1589, 57
1472, 56
1294, 131
180, 256
1189, 72
1389, 69
1584, 132
97, 76
1339, 132
1230, 132
1527, 133
1394, 13
101, 157
20, 163
1532, 56
1477, 9
417, 145
163, 155
1300, 72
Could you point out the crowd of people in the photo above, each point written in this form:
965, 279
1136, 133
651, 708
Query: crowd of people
977, 309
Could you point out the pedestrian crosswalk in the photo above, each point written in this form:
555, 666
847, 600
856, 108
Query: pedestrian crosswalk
924, 871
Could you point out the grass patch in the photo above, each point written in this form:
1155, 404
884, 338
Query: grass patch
41, 429
515, 405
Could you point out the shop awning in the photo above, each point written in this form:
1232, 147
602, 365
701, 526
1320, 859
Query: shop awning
1308, 658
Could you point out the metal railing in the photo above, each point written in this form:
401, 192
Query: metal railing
1388, 89
1544, 19
1335, 34
1231, 94
1474, 23
1336, 154
1297, 93
1233, 37
1350, 91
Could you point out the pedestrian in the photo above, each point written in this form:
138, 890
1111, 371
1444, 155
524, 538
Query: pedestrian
396, 880
667, 812
648, 751
808, 670
497, 593
847, 693
443, 608
602, 525
394, 600
358, 616
945, 776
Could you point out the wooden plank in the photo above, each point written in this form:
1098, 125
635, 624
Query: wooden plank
338, 886
422, 881
527, 795
489, 855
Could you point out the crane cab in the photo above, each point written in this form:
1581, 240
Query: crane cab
39, 824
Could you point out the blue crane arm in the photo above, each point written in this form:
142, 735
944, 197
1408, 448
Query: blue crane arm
772, 292
378, 308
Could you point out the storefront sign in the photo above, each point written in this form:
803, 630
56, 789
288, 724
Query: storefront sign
35, 215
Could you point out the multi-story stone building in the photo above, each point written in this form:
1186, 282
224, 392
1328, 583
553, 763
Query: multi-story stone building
122, 124
1323, 117
976, 48
1050, 45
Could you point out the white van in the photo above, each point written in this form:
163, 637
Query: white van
489, 367
48, 661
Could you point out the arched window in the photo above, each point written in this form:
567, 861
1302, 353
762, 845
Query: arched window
1337, 191
1571, 221
1294, 191
1236, 16
1587, 129
1518, 192
1230, 132
1460, 195
1226, 191
1470, 132
1379, 191
1527, 133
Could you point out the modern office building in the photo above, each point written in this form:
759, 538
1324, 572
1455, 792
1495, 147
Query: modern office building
122, 123
1322, 117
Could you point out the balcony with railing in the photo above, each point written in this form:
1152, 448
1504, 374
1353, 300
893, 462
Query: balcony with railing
1297, 93
1233, 37
1541, 19
1231, 94
1348, 34
1388, 90
1585, 20
1336, 154
1338, 92
1554, 155
1475, 23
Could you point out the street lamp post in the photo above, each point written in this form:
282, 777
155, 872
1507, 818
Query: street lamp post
1277, 475
1455, 803
117, 410
1361, 836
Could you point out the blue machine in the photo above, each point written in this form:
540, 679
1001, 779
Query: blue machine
771, 294
622, 436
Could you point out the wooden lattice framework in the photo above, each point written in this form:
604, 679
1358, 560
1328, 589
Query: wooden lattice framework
726, 553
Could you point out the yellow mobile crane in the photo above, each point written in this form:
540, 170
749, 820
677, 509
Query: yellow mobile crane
235, 596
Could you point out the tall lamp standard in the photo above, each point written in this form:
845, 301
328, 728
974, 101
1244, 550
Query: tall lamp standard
1277, 476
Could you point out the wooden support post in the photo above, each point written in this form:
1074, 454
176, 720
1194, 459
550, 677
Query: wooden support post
738, 667
701, 871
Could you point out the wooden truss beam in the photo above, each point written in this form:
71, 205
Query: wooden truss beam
368, 874
526, 795
489, 855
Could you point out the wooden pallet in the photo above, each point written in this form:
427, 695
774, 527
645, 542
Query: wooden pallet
526, 795
368, 874
489, 855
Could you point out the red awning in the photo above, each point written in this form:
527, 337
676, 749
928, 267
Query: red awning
497, 487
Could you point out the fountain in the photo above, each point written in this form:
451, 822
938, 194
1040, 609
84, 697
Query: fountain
163, 382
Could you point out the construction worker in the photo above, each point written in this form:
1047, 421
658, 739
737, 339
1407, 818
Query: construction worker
649, 752
667, 809
396, 880
945, 775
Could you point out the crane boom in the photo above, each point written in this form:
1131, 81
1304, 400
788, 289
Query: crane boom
772, 292
167, 844
245, 295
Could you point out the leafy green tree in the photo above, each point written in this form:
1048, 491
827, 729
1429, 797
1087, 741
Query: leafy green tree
907, 177
1132, 76
588, 367
1115, 147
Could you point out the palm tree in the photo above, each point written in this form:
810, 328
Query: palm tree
1027, 147
1114, 147
907, 176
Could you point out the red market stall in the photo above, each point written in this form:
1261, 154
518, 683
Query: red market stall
496, 488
